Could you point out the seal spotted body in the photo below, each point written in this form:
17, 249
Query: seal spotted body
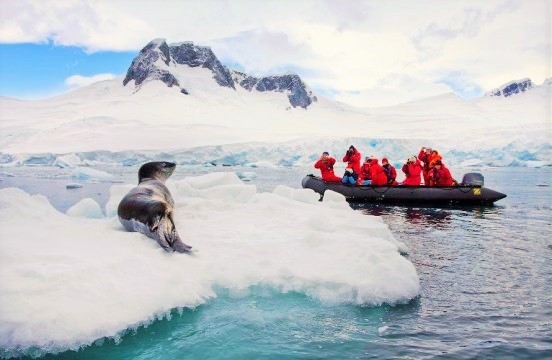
148, 208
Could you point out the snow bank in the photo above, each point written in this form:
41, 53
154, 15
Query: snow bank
67, 281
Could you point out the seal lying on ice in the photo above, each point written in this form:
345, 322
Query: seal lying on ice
148, 208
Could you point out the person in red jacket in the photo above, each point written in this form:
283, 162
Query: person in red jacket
425, 157
326, 164
389, 171
365, 173
352, 158
412, 169
376, 172
440, 175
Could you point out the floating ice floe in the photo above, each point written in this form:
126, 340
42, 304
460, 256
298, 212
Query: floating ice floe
83, 173
247, 175
67, 281
73, 186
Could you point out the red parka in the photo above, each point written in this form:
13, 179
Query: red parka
378, 175
326, 169
353, 160
412, 172
441, 177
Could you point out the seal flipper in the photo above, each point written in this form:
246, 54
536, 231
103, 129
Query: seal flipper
158, 232
176, 242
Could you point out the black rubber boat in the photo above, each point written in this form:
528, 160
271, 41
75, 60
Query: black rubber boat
469, 192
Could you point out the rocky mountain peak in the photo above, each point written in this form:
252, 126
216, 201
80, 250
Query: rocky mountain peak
156, 60
512, 88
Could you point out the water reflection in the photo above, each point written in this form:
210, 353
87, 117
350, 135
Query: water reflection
440, 218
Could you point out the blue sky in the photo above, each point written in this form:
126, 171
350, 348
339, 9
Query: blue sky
365, 53
35, 71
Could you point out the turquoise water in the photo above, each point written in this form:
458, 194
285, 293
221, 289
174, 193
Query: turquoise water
485, 274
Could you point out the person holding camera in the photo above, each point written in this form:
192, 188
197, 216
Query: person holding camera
326, 164
412, 169
425, 157
352, 158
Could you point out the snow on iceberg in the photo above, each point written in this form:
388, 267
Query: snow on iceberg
90, 174
67, 281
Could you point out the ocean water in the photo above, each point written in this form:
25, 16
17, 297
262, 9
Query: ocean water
485, 274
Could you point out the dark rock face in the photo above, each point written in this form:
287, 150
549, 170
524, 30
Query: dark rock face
145, 68
512, 88
292, 84
194, 56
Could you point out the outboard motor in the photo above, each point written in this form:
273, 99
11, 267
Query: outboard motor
473, 179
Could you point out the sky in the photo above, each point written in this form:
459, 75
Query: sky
364, 53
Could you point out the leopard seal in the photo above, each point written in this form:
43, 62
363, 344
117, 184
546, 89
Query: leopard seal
148, 208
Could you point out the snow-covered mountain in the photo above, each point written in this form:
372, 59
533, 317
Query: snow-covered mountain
170, 64
180, 99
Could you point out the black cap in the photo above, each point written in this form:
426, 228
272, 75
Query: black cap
325, 153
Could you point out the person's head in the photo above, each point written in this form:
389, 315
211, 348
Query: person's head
325, 155
434, 152
438, 164
412, 159
367, 159
428, 151
384, 161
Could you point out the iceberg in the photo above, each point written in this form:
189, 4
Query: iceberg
67, 281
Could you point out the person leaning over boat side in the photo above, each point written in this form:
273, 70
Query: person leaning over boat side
440, 175
412, 169
365, 173
326, 164
389, 171
352, 158
376, 172
425, 157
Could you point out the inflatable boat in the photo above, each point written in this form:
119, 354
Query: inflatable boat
469, 192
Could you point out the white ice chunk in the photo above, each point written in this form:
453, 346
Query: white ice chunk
86, 208
247, 175
90, 174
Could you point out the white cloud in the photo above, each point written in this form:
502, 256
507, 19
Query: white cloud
347, 48
77, 81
